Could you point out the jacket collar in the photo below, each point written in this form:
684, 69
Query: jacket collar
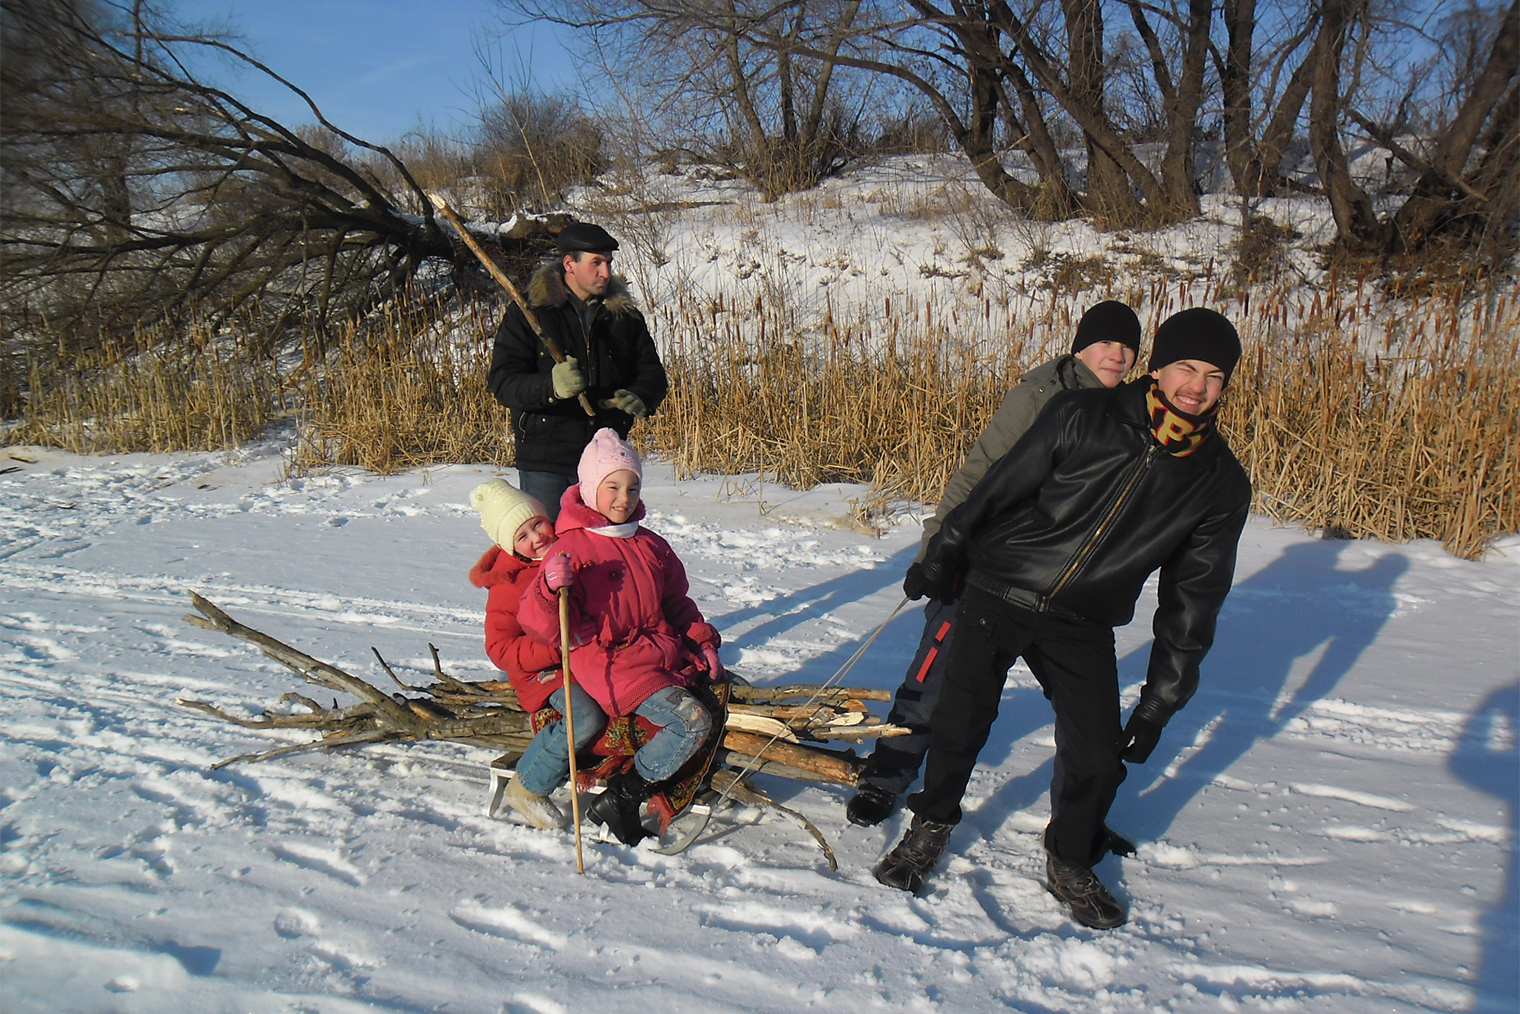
547, 290
496, 567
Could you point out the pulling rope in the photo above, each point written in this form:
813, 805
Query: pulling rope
828, 685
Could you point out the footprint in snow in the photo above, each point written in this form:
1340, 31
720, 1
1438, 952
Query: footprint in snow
505, 923
293, 923
322, 861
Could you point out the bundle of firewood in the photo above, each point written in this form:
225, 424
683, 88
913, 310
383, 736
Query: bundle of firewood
772, 730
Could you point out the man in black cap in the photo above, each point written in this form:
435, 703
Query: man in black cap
1048, 555
1104, 349
609, 356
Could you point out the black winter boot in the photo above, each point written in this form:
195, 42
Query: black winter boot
870, 805
1079, 889
1113, 842
922, 844
618, 806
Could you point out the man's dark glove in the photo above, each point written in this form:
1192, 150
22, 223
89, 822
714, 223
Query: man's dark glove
927, 579
1140, 737
915, 585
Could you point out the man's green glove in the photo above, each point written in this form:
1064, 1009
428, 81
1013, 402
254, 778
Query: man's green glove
568, 381
627, 401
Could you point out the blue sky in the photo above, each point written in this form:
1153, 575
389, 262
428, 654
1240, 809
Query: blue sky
378, 68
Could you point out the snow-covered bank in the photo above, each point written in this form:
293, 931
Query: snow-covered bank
1329, 826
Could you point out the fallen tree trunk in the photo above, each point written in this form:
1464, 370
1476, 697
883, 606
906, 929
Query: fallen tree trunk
766, 728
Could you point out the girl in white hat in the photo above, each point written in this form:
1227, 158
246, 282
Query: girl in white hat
523, 534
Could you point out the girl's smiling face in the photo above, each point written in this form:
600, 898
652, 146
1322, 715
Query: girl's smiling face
534, 537
617, 497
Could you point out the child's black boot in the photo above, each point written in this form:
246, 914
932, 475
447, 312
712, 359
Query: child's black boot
618, 806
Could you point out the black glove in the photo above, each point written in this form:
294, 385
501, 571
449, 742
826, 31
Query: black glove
927, 579
916, 585
1140, 737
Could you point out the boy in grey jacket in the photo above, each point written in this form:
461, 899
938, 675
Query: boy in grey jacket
1104, 349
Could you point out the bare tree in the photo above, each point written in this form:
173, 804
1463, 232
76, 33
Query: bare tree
1470, 169
782, 115
1466, 152
530, 148
136, 192
1251, 70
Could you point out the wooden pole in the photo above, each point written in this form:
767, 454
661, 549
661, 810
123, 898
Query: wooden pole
555, 352
575, 791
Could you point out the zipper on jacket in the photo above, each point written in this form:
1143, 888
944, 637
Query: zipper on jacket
1090, 546
591, 377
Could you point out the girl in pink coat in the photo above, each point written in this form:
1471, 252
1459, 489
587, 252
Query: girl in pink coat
637, 639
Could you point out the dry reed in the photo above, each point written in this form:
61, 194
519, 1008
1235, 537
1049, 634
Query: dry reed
1353, 412
406, 390
191, 392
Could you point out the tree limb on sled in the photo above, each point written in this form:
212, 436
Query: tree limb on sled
488, 713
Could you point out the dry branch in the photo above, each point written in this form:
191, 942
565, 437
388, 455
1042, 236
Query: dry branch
488, 713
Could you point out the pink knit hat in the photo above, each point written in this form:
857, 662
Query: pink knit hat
603, 456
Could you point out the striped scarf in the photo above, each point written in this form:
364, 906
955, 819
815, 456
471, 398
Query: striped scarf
1178, 433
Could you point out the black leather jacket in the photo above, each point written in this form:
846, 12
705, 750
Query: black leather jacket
1086, 507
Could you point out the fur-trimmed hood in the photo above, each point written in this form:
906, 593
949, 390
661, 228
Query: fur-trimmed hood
547, 289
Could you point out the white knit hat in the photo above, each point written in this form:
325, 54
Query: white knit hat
503, 509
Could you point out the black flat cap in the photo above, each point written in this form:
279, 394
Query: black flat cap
583, 237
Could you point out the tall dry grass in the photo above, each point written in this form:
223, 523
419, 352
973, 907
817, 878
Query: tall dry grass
1354, 412
407, 389
161, 392
1418, 437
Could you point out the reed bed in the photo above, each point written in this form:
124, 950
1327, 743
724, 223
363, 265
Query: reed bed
406, 390
159, 393
1355, 412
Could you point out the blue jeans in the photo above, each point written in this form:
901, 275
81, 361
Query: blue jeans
684, 727
546, 488
546, 763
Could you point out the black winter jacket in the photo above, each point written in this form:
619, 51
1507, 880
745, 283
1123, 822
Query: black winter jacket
618, 353
1086, 507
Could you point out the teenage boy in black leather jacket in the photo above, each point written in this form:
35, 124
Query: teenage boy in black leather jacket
1048, 555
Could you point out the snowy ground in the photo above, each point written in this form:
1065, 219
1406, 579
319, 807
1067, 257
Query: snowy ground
1329, 826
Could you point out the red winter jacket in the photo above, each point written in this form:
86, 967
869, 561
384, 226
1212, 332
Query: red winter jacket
524, 659
634, 629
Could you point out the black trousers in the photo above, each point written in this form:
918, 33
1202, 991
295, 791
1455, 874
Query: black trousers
1074, 661
896, 760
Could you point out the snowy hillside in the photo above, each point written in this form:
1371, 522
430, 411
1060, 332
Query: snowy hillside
1329, 826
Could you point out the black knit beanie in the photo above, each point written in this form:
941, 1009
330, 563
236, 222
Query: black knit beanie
1109, 321
1196, 333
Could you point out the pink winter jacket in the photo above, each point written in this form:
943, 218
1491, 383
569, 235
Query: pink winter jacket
634, 629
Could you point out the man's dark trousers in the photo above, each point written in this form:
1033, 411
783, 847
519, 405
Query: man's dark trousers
1075, 663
